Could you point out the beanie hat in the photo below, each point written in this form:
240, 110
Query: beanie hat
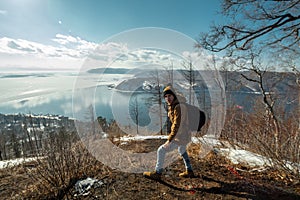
169, 90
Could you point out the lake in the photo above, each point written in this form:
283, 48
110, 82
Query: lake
53, 93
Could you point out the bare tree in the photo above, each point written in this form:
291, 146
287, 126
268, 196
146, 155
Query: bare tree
3, 144
168, 73
91, 118
171, 74
189, 75
134, 110
253, 27
159, 99
297, 74
258, 36
267, 98
269, 26
15, 145
29, 138
32, 124
272, 25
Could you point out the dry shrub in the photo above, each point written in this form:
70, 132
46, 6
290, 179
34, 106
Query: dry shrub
13, 181
255, 132
65, 162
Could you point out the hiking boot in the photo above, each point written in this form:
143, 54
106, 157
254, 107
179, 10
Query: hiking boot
153, 175
187, 174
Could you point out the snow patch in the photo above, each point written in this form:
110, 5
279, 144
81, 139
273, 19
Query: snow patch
142, 137
14, 162
238, 156
83, 187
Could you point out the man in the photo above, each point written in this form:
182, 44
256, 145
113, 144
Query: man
179, 136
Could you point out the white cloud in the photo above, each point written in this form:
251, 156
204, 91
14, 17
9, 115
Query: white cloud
74, 53
65, 39
69, 46
148, 58
69, 53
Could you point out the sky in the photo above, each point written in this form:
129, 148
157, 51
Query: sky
59, 34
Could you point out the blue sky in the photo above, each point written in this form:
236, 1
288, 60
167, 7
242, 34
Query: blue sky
95, 20
31, 27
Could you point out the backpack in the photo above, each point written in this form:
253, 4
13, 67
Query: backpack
196, 117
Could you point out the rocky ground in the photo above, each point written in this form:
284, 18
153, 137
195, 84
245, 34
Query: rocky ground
217, 178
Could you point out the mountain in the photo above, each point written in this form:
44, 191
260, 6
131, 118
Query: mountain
109, 71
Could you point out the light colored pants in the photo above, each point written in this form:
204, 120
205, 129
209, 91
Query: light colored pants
161, 153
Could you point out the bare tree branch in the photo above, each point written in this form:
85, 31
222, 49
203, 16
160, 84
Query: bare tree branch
239, 34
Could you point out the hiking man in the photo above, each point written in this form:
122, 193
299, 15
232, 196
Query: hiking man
179, 135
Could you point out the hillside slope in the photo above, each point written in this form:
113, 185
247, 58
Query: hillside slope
217, 178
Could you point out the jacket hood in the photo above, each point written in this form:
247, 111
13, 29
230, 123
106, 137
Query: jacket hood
180, 98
